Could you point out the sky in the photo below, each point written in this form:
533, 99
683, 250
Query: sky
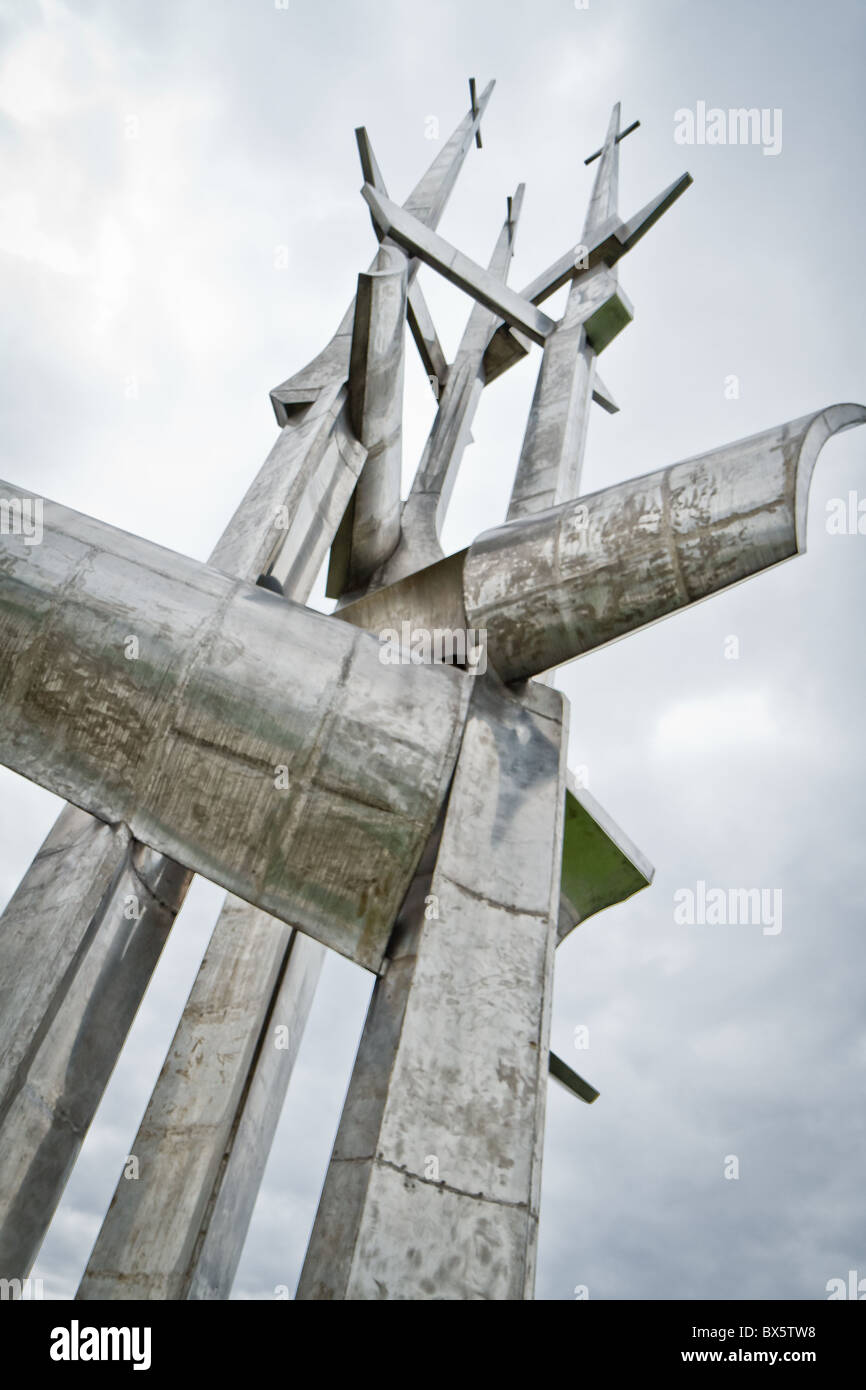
181, 229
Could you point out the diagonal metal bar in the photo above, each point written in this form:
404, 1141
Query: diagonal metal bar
571, 1081
626, 556
613, 242
425, 508
551, 457
419, 317
427, 202
434, 251
558, 585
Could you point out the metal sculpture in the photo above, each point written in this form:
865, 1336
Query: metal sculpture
415, 814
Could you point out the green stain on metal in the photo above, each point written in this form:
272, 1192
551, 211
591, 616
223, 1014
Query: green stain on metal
571, 1080
599, 865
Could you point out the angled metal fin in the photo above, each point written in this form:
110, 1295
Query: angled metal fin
562, 1073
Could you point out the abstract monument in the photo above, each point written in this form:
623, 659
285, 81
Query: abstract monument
416, 815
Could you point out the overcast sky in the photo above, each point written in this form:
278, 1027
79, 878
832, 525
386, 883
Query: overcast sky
180, 228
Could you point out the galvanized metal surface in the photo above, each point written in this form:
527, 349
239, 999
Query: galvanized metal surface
424, 511
232, 1156
433, 1187
174, 748
80, 940
574, 578
169, 1228
185, 744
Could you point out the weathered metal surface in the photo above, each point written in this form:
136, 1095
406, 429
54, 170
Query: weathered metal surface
417, 313
603, 396
206, 1203
604, 241
424, 512
425, 600
432, 1190
77, 913
376, 407
429, 197
89, 852
289, 514
79, 943
600, 865
75, 909
557, 585
232, 684
420, 241
554, 586
219, 692
426, 339
572, 1082
176, 1229
284, 526
426, 203
232, 1206
551, 457
548, 471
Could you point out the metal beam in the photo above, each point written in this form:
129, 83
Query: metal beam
434, 251
234, 692
554, 586
420, 319
571, 1081
376, 409
427, 202
551, 456
433, 1187
426, 506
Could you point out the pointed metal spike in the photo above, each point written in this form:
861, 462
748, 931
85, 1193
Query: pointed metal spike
630, 233
418, 315
602, 204
369, 164
428, 199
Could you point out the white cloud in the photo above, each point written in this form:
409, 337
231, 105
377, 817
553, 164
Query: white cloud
728, 720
